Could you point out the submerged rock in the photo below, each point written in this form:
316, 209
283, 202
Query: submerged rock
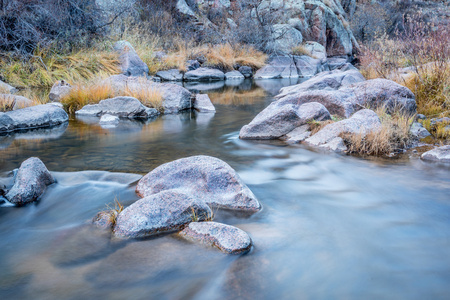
204, 177
202, 103
59, 90
126, 107
276, 121
30, 182
109, 120
227, 238
130, 62
165, 211
204, 74
438, 154
362, 122
32, 117
105, 219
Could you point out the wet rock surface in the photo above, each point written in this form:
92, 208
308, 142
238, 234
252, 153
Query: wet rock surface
438, 154
275, 121
30, 182
166, 211
228, 239
204, 177
32, 117
204, 74
126, 107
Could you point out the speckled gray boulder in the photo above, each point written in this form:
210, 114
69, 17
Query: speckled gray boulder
130, 62
202, 103
30, 182
170, 75
227, 238
439, 154
165, 211
175, 98
418, 131
126, 107
204, 177
362, 122
59, 90
33, 117
204, 74
276, 121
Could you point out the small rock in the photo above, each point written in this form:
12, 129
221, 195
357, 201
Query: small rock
204, 177
421, 117
202, 103
336, 145
130, 62
246, 71
227, 238
299, 134
418, 131
204, 74
234, 75
109, 120
105, 219
170, 75
59, 90
192, 64
436, 121
439, 154
4, 87
30, 182
15, 102
166, 211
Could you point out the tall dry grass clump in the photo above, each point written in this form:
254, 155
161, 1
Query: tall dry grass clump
393, 136
87, 93
424, 50
45, 67
226, 56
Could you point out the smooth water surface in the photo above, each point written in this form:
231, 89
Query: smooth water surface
332, 226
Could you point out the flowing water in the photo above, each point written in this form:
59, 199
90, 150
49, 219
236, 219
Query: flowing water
332, 226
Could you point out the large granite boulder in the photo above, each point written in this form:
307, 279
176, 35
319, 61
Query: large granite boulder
276, 121
33, 117
30, 182
126, 107
166, 211
438, 154
227, 238
175, 98
307, 66
204, 74
14, 102
170, 75
362, 123
207, 178
6, 88
59, 90
130, 62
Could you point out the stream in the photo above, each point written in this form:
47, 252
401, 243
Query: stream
332, 226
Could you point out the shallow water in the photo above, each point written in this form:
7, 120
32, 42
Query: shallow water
331, 227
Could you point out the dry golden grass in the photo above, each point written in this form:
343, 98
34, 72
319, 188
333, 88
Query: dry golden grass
148, 95
6, 102
45, 67
316, 126
87, 93
438, 130
394, 135
226, 56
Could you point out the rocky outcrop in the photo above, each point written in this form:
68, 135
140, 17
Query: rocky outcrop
284, 38
344, 92
30, 182
166, 211
204, 74
276, 120
206, 178
285, 66
14, 102
315, 50
438, 154
38, 116
202, 103
126, 107
130, 63
170, 75
59, 90
227, 238
362, 123
6, 88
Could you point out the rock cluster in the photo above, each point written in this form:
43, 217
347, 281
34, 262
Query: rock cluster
179, 194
